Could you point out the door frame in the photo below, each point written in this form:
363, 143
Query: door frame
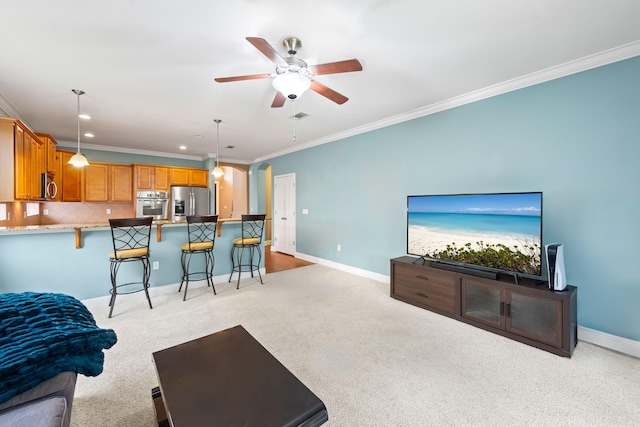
290, 206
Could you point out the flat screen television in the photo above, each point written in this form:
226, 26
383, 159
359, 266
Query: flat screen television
497, 232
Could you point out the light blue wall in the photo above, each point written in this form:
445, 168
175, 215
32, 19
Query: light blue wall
576, 139
49, 262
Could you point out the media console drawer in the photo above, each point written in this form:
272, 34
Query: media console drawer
426, 286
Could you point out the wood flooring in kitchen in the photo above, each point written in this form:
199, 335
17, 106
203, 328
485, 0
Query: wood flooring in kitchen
276, 261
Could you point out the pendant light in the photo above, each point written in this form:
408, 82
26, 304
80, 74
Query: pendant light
217, 171
78, 159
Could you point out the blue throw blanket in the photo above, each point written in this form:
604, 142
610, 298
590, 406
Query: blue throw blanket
43, 334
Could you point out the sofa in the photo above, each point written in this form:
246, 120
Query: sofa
46, 340
47, 404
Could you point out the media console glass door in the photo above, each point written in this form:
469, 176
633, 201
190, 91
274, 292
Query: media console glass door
528, 316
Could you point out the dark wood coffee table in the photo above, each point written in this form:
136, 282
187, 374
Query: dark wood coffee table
229, 379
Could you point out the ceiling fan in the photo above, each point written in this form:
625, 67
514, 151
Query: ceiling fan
293, 76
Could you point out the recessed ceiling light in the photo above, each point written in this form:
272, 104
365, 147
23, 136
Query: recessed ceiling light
89, 135
183, 147
84, 116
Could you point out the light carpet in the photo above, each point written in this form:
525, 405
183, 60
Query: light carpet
372, 360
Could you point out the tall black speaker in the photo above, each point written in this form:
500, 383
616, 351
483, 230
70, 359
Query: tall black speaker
557, 275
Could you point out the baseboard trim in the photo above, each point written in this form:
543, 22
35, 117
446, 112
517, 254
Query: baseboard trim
612, 342
344, 267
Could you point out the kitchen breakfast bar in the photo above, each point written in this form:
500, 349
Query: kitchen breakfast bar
74, 258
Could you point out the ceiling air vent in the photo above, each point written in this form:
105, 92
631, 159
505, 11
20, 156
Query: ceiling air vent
299, 116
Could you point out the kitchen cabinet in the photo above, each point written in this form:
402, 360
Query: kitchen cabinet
121, 183
22, 164
105, 182
71, 179
150, 177
36, 168
21, 161
50, 147
96, 182
190, 177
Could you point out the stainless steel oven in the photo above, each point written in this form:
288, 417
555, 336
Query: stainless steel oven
152, 203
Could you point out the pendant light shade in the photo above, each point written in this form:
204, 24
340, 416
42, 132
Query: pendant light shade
78, 159
217, 171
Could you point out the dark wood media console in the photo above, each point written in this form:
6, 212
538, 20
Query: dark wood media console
527, 312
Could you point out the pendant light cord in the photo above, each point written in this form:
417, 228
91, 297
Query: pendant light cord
78, 119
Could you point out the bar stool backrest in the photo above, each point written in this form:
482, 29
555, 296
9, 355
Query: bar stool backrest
252, 228
202, 231
130, 237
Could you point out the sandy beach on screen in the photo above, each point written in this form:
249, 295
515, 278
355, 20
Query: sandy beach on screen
427, 241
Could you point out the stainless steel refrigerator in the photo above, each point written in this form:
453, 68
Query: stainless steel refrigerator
186, 201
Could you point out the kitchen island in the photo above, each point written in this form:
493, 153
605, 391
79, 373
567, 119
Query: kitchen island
74, 258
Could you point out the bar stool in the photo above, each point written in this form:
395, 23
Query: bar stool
252, 227
130, 243
201, 230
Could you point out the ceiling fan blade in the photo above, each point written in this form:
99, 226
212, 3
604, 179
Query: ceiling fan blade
336, 67
279, 100
238, 78
331, 94
267, 50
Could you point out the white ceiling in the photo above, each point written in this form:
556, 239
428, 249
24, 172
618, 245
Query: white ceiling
147, 66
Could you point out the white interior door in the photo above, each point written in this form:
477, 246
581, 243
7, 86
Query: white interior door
284, 214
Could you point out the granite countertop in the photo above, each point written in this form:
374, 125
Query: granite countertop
57, 228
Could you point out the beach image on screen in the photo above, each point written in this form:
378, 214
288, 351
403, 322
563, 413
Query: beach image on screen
501, 231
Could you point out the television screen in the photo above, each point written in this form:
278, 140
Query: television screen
501, 231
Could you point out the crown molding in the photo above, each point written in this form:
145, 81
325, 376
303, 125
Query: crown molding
600, 59
97, 147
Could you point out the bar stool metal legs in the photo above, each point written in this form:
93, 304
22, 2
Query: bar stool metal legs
130, 244
251, 240
201, 231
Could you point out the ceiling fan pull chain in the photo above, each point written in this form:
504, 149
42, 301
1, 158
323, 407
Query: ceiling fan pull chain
293, 116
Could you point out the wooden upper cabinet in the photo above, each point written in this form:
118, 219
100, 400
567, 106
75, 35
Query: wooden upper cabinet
162, 179
71, 187
22, 165
149, 177
191, 177
50, 146
22, 161
199, 177
37, 168
121, 183
96, 182
144, 177
104, 182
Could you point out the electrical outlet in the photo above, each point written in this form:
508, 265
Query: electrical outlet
45, 212
339, 248
108, 211
156, 265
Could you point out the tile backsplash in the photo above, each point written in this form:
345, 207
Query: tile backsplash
83, 212
64, 213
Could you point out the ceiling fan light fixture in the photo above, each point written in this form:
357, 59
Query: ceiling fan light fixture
291, 84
